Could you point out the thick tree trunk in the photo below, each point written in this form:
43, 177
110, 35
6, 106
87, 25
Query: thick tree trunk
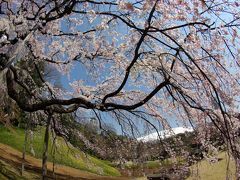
236, 156
237, 163
24, 151
45, 148
25, 143
53, 155
2, 76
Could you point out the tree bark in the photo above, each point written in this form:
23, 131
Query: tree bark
237, 164
24, 150
236, 155
53, 155
45, 148
25, 143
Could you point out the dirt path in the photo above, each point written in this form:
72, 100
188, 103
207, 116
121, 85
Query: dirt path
14, 158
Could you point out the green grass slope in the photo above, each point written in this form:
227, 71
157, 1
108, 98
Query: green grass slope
65, 155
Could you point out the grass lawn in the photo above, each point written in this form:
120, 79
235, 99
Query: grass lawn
204, 170
212, 171
65, 155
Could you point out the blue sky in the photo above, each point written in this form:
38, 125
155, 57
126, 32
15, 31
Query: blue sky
79, 72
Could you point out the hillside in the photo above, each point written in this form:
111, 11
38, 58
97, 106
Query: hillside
165, 134
65, 153
77, 165
10, 163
